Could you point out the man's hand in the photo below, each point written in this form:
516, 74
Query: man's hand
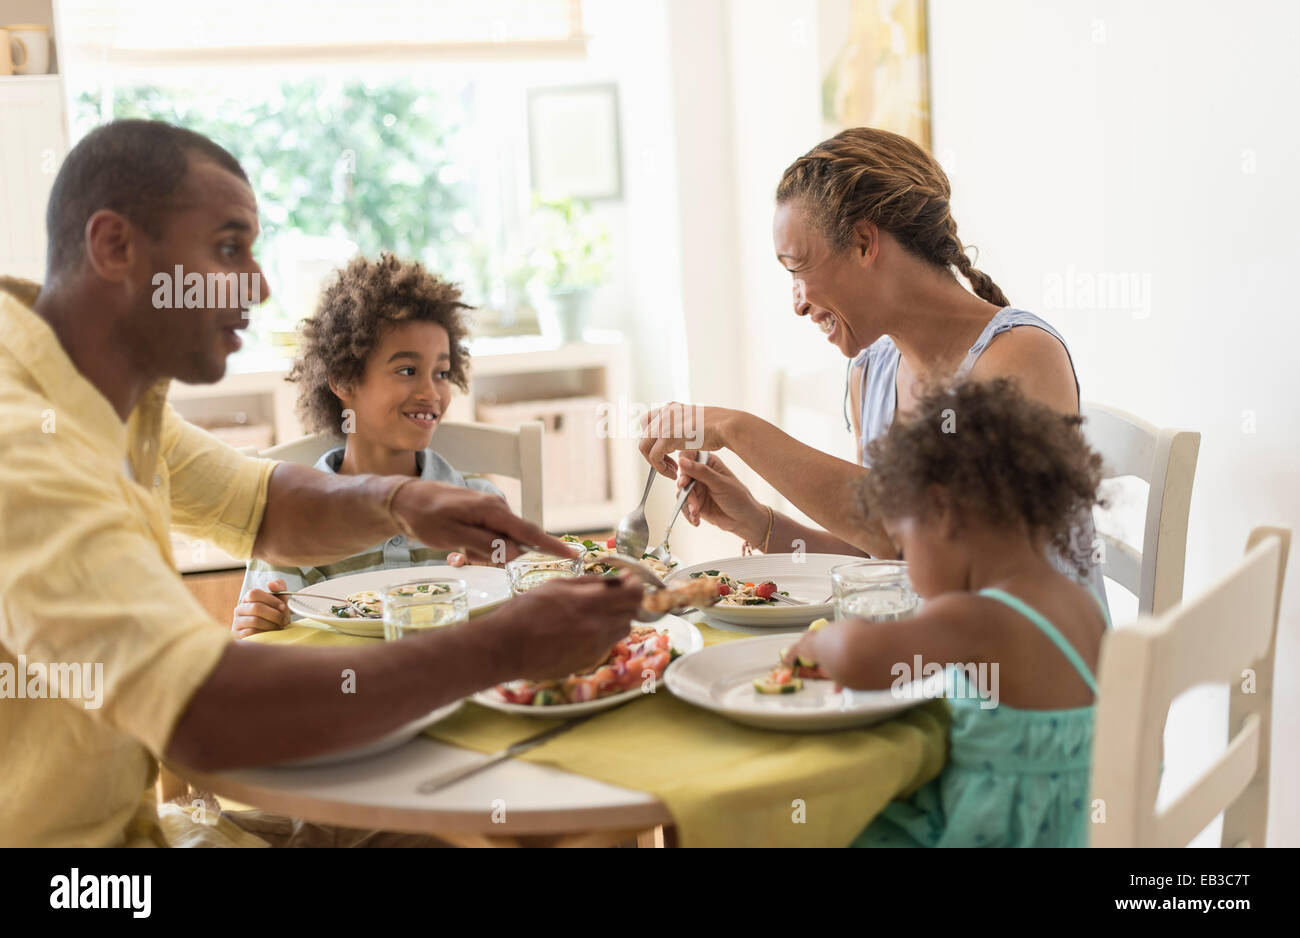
259, 611
476, 524
563, 625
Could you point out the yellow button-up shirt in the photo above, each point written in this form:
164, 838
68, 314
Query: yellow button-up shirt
87, 583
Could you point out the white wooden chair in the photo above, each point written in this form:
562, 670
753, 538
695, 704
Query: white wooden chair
1166, 460
1225, 635
473, 448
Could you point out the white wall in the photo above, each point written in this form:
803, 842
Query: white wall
1154, 141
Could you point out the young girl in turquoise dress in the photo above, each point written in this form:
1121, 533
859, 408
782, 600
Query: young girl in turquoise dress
977, 488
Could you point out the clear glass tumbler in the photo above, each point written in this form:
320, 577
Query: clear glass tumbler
421, 605
876, 590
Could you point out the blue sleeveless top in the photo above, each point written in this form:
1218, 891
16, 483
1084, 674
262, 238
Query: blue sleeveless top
879, 400
1014, 778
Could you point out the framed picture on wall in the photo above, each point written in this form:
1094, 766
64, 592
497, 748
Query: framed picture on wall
573, 142
879, 74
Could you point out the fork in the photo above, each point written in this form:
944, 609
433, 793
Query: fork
801, 602
646, 576
660, 553
360, 610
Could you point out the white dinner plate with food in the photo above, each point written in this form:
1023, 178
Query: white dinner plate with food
398, 737
486, 588
804, 577
721, 678
683, 637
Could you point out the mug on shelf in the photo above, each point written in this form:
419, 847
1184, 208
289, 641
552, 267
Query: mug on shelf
28, 47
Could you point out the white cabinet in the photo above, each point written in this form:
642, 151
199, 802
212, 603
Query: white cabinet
33, 142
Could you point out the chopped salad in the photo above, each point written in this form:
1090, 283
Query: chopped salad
645, 652
372, 602
595, 552
734, 592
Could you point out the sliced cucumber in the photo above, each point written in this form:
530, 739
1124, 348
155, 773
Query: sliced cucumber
765, 686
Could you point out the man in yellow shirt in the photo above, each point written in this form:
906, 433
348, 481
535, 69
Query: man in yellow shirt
106, 661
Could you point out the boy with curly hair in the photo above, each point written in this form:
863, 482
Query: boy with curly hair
378, 364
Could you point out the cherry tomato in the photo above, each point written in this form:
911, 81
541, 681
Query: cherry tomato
724, 589
765, 590
611, 544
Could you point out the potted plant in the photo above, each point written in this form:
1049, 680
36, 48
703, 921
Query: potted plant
569, 260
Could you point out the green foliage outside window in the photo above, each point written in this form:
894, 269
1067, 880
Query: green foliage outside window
370, 162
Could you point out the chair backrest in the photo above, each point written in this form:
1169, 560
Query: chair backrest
1227, 634
473, 448
1166, 460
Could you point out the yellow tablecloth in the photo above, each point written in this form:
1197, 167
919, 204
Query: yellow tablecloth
724, 784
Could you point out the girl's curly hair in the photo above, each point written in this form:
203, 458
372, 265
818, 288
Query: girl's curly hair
1002, 460
361, 301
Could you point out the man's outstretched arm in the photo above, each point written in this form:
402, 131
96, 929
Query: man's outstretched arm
313, 517
274, 703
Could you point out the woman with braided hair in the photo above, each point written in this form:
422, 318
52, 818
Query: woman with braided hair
864, 226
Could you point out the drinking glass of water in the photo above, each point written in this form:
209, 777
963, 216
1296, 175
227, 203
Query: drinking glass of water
421, 605
876, 590
529, 571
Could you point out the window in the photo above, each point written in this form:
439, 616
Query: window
345, 154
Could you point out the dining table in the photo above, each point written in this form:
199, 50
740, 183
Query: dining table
654, 772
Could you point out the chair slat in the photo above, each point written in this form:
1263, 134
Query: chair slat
1217, 787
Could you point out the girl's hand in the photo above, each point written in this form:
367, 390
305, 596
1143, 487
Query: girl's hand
676, 427
828, 647
720, 498
259, 611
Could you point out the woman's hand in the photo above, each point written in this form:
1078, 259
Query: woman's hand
259, 611
676, 427
720, 498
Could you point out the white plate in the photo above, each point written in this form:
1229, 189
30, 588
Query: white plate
682, 635
398, 737
487, 588
809, 579
721, 679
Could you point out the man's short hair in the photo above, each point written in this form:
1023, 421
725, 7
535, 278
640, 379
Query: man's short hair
134, 168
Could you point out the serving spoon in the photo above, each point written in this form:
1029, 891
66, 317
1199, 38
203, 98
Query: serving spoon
632, 536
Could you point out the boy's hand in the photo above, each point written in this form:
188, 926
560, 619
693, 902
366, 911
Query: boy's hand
259, 611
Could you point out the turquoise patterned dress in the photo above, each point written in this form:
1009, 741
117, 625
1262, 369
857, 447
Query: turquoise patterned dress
1014, 778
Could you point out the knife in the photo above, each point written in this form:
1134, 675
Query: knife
450, 777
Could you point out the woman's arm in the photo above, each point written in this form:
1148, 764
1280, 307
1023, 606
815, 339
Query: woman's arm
790, 535
822, 486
